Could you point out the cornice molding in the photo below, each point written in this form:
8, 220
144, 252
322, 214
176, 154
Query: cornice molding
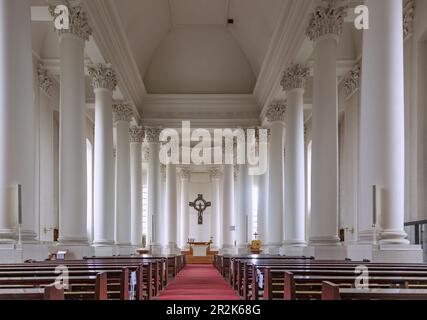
286, 42
111, 40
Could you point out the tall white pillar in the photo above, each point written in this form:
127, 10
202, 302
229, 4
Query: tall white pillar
262, 209
185, 176
17, 160
244, 214
122, 116
72, 153
382, 144
274, 218
294, 84
324, 29
104, 82
171, 211
153, 184
228, 209
215, 175
136, 137
46, 163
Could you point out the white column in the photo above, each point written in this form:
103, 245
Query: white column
294, 84
46, 163
382, 144
122, 117
72, 153
215, 175
262, 206
17, 160
185, 175
104, 82
274, 218
153, 184
228, 209
244, 215
136, 137
171, 211
324, 29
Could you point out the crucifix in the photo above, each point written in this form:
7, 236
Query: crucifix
200, 205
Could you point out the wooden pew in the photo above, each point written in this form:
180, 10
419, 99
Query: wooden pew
48, 293
331, 291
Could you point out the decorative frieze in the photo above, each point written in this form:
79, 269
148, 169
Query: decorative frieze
276, 112
295, 77
152, 134
78, 22
136, 134
103, 77
327, 19
45, 82
408, 17
122, 112
352, 80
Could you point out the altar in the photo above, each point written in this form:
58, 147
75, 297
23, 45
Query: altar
199, 249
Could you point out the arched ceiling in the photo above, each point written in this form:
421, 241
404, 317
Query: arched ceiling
186, 46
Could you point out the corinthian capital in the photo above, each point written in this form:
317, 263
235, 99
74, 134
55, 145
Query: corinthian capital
45, 82
136, 134
276, 112
103, 76
185, 174
408, 17
352, 81
215, 173
295, 77
122, 112
152, 134
327, 19
78, 22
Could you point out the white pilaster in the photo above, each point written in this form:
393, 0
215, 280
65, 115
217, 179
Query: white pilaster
153, 184
228, 209
274, 218
171, 222
185, 176
294, 84
122, 117
136, 138
325, 28
244, 215
215, 175
104, 82
72, 189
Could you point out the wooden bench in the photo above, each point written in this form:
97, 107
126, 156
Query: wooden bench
331, 291
48, 293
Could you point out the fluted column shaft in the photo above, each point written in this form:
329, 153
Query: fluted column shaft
382, 144
104, 82
294, 84
274, 218
325, 28
136, 138
17, 160
123, 114
72, 145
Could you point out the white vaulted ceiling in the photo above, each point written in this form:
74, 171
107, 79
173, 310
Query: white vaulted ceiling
186, 46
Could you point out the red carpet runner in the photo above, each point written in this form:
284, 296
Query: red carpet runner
198, 282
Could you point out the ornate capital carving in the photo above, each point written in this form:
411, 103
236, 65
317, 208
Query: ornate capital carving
145, 152
295, 77
163, 171
327, 19
408, 17
215, 173
276, 112
185, 174
236, 171
122, 112
45, 82
103, 76
352, 80
136, 134
152, 134
78, 22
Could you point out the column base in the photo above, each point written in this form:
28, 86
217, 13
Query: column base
19, 253
227, 250
294, 250
156, 249
386, 253
171, 249
243, 249
325, 241
125, 250
325, 252
271, 249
